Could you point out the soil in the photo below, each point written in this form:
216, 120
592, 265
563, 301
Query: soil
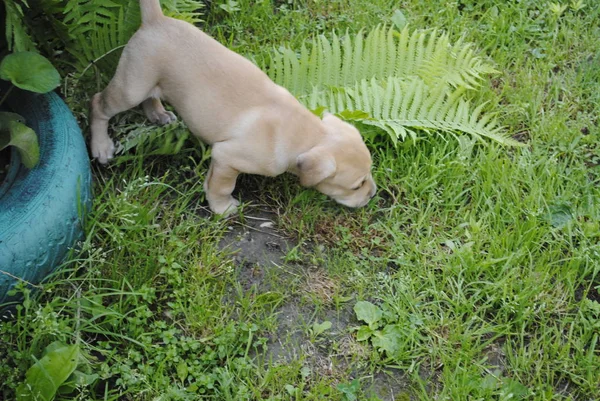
259, 250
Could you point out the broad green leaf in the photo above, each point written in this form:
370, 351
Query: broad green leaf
24, 139
291, 390
320, 328
319, 111
491, 380
367, 312
182, 371
353, 115
44, 378
29, 71
364, 333
6, 117
560, 215
388, 339
513, 390
77, 379
399, 20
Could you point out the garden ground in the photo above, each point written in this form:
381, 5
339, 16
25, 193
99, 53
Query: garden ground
472, 275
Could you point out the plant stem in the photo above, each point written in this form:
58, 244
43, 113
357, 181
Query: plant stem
6, 95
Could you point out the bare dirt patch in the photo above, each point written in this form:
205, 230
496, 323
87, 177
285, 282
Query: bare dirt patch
259, 250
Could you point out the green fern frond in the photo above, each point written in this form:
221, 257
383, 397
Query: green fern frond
400, 82
380, 54
17, 35
152, 140
96, 27
403, 107
92, 29
186, 10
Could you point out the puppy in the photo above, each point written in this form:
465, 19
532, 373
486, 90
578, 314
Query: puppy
253, 125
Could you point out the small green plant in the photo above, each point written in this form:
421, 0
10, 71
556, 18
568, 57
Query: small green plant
557, 9
391, 337
577, 5
350, 390
230, 6
32, 72
319, 328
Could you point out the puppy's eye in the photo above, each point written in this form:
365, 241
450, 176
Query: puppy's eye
360, 186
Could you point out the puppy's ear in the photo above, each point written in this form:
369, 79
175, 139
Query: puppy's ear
336, 126
314, 166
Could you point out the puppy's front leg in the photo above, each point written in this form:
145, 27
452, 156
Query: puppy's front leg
218, 186
102, 146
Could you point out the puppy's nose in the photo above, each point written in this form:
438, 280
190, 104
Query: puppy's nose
373, 192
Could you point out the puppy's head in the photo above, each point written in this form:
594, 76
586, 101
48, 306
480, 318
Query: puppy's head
340, 165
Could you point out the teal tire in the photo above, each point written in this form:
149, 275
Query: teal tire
42, 210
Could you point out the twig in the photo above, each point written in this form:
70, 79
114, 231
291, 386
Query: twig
20, 279
6, 94
257, 218
260, 231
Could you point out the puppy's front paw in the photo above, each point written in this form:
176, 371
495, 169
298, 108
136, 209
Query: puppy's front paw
103, 150
162, 117
225, 208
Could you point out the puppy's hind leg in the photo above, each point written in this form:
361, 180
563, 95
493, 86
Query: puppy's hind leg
156, 112
130, 86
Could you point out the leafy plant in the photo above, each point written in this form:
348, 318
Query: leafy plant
350, 390
13, 132
401, 82
319, 328
391, 338
29, 71
33, 72
56, 372
152, 140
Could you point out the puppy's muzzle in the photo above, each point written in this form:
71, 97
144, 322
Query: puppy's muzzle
356, 203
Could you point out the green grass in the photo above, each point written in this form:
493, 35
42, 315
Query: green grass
481, 262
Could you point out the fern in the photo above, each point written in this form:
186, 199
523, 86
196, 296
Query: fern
382, 53
401, 107
98, 27
153, 140
17, 35
89, 30
400, 82
186, 10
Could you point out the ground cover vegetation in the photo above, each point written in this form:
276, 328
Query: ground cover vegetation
472, 275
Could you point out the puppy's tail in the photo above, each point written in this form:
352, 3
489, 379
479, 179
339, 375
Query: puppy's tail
151, 10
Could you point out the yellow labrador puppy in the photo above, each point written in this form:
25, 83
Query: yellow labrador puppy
253, 125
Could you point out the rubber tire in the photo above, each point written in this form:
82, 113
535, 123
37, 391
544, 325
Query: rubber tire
42, 210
